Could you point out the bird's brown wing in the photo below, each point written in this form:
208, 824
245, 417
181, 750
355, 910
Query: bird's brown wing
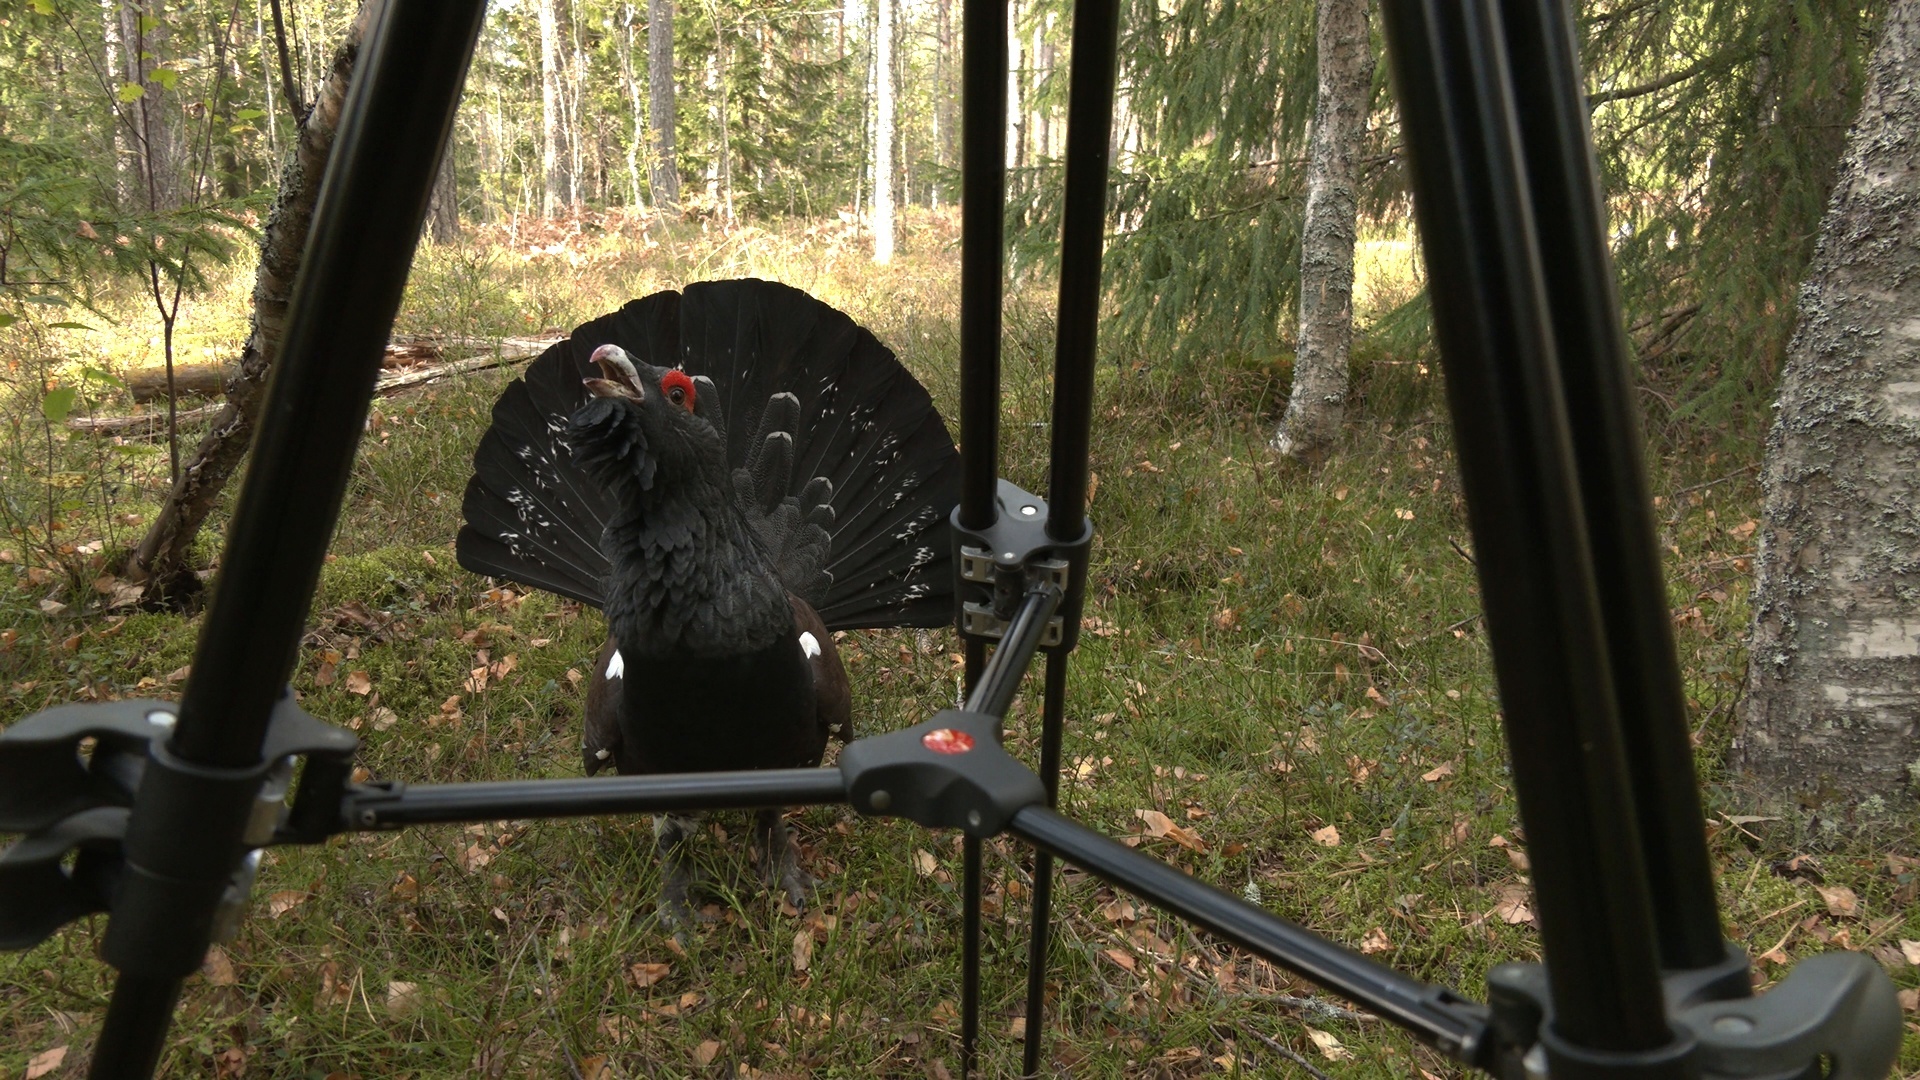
833, 695
600, 743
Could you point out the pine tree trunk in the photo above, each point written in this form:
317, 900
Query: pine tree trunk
443, 210
944, 99
1832, 708
161, 559
1318, 402
142, 36
883, 136
553, 157
660, 105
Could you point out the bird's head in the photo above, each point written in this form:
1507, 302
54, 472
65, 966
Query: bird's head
644, 425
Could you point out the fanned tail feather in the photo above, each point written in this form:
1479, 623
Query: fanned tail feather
840, 460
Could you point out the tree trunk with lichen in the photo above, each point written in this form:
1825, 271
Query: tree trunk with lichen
1318, 402
1832, 711
661, 111
161, 562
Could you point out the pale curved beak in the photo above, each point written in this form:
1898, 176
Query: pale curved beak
619, 377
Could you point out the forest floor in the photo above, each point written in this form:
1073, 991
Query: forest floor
1283, 688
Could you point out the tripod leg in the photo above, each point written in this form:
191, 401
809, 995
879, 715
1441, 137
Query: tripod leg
1053, 724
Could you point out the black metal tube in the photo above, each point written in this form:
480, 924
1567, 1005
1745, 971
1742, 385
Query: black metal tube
970, 887
1052, 727
1536, 578
1598, 391
1423, 1010
1096, 28
983, 197
372, 203
998, 684
135, 1030
591, 796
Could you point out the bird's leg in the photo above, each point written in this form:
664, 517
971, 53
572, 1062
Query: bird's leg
671, 833
780, 856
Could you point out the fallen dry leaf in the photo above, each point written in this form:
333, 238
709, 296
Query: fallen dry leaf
217, 966
802, 950
1510, 903
1019, 1026
359, 682
1375, 942
383, 717
1840, 899
403, 998
1910, 1001
1158, 824
595, 1067
407, 887
704, 1054
1123, 958
924, 862
45, 1062
1329, 1045
1327, 837
1438, 772
1910, 950
476, 855
286, 900
643, 974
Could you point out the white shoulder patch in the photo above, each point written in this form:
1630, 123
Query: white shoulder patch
616, 667
809, 645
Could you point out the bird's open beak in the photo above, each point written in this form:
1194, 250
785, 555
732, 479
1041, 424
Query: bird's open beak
621, 379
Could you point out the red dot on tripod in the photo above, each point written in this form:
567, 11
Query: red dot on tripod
946, 740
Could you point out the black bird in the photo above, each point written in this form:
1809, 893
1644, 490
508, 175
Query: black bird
730, 474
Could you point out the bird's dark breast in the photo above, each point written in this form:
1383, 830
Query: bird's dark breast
701, 714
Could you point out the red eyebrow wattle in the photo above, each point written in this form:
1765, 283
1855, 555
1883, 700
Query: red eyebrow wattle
680, 379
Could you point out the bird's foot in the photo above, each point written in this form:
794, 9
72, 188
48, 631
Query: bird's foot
670, 836
780, 859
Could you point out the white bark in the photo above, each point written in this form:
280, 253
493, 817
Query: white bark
1318, 403
883, 137
1833, 685
634, 196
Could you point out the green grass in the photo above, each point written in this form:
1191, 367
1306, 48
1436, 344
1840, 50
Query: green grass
1272, 652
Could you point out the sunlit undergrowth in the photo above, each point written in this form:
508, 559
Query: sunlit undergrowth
1284, 688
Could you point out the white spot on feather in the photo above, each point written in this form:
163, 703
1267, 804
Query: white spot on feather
602, 754
809, 646
616, 667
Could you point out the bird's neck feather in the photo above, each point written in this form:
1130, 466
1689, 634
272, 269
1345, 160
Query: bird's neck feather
687, 577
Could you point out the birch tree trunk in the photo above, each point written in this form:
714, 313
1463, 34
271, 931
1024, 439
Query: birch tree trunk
123, 185
1832, 707
883, 136
660, 104
160, 561
553, 155
634, 103
1318, 401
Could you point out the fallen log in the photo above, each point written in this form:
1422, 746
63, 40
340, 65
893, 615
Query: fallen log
509, 351
189, 380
